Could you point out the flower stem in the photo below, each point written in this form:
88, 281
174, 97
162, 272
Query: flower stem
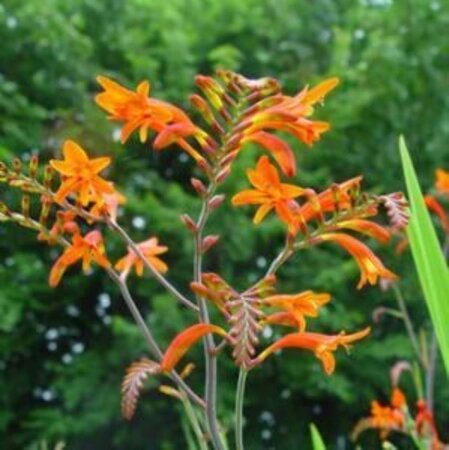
239, 400
159, 277
430, 373
408, 323
209, 342
280, 259
193, 419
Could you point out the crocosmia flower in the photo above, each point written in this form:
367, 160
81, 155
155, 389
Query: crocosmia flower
321, 345
88, 249
269, 192
371, 267
151, 250
80, 175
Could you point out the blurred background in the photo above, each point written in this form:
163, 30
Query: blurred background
63, 352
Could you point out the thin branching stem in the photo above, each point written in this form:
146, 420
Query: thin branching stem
239, 400
281, 258
209, 342
408, 324
159, 277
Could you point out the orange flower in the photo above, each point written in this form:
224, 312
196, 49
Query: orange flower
336, 198
270, 193
290, 114
108, 205
88, 248
321, 345
80, 175
398, 399
138, 110
435, 206
276, 111
370, 265
442, 181
151, 249
299, 306
384, 418
184, 340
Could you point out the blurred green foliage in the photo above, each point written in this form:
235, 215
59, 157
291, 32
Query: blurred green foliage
63, 352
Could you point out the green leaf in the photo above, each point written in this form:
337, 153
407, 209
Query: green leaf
317, 440
428, 256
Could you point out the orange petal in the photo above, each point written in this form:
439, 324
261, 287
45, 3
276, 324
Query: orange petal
280, 150
184, 340
367, 227
56, 273
63, 167
435, 206
249, 197
442, 181
318, 93
158, 264
261, 212
143, 88
98, 164
66, 188
171, 133
74, 154
283, 318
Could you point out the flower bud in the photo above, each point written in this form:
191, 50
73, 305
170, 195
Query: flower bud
189, 223
17, 166
208, 242
223, 174
198, 186
48, 176
216, 201
34, 164
25, 205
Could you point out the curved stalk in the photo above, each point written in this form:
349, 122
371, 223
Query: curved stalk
239, 400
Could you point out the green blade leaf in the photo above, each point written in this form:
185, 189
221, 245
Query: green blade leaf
428, 256
317, 440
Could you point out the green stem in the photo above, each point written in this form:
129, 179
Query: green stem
408, 323
239, 399
193, 419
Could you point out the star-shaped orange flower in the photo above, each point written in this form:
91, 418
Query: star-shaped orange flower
80, 175
151, 249
269, 192
88, 248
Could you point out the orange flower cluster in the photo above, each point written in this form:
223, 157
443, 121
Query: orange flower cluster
245, 312
249, 312
271, 194
396, 418
236, 111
